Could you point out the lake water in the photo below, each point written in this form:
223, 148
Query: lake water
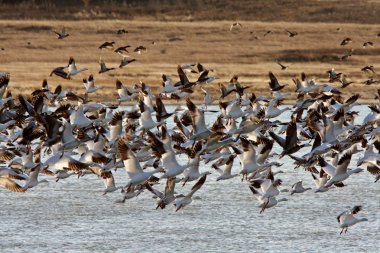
73, 216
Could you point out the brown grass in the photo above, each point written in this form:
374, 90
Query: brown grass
315, 50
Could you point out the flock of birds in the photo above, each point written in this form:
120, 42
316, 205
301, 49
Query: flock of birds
61, 134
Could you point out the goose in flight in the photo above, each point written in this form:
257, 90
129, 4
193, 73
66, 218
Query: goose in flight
122, 50
340, 173
226, 173
107, 177
89, 84
320, 182
121, 31
140, 49
33, 181
72, 68
60, 71
129, 193
103, 67
265, 203
132, 166
107, 45
188, 198
290, 144
369, 69
274, 84
333, 75
347, 218
124, 94
166, 197
344, 82
249, 159
61, 35
298, 188
125, 61
283, 67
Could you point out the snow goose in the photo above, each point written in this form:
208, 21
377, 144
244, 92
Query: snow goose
265, 203
298, 188
272, 111
192, 172
188, 198
124, 94
235, 25
167, 196
62, 174
122, 50
78, 118
89, 84
207, 99
129, 193
268, 186
146, 121
132, 166
283, 67
249, 159
198, 121
226, 173
33, 181
347, 218
72, 68
320, 182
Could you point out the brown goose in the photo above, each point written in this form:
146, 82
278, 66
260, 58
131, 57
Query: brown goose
107, 45
103, 67
274, 84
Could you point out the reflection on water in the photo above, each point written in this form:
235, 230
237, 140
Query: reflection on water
73, 216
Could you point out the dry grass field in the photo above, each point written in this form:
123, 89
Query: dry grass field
31, 50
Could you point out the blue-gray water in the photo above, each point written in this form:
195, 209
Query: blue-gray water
73, 216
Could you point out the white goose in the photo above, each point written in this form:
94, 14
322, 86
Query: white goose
347, 218
146, 121
298, 188
192, 172
188, 198
72, 71
124, 94
265, 203
32, 181
132, 166
321, 181
89, 84
129, 193
249, 159
340, 173
78, 118
226, 173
